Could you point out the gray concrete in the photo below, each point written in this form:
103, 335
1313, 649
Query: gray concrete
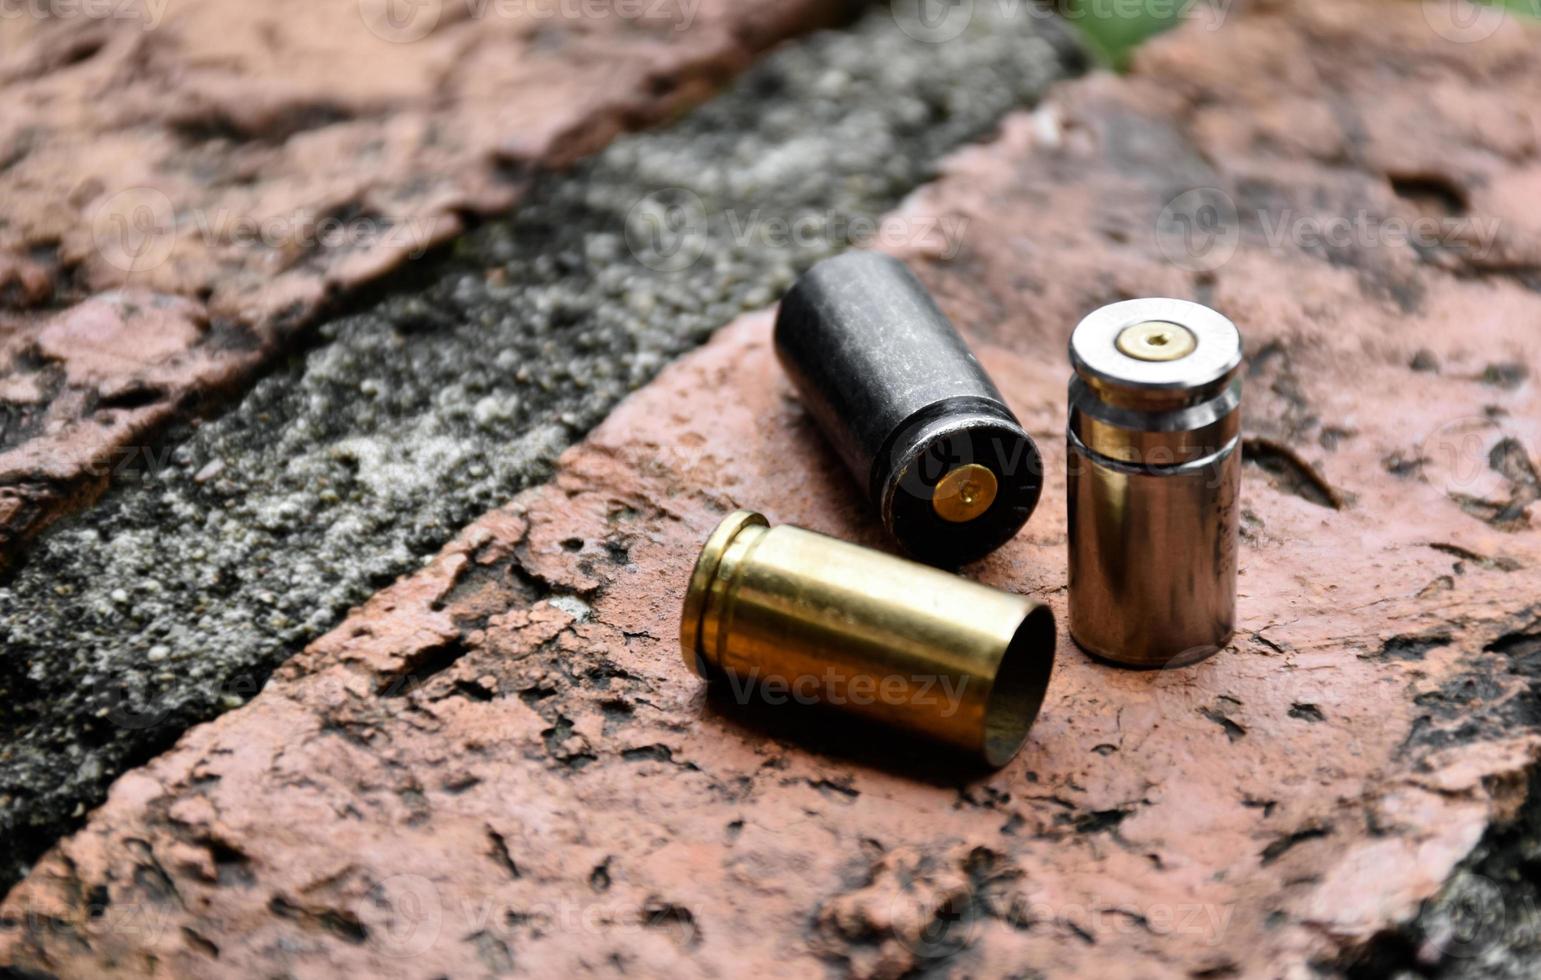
178, 594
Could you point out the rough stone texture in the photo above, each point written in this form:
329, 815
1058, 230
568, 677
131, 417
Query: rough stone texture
259, 160
226, 550
500, 765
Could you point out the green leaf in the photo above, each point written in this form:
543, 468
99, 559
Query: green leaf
1112, 29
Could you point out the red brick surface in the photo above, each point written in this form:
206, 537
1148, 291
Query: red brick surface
256, 160
501, 765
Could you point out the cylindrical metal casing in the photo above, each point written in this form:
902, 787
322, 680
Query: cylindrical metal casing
822, 621
1154, 479
908, 408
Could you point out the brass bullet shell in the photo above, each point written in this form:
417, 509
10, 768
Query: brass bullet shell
1154, 478
809, 618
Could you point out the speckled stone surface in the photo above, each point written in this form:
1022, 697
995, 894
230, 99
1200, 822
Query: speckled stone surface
499, 765
227, 548
252, 163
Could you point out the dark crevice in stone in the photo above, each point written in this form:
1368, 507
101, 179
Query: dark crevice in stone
1509, 459
1506, 374
1100, 821
501, 854
1501, 563
494, 953
599, 878
1282, 845
1234, 731
1414, 647
1389, 954
423, 667
648, 753
559, 740
1291, 473
232, 866
213, 124
473, 691
677, 920
344, 925
1307, 712
1433, 194
835, 790
1523, 650
138, 396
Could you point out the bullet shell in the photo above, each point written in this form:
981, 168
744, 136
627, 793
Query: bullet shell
822, 621
1154, 479
907, 407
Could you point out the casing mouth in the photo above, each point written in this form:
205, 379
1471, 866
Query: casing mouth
1021, 681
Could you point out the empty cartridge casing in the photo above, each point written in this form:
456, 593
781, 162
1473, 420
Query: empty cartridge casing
906, 405
1154, 476
822, 621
